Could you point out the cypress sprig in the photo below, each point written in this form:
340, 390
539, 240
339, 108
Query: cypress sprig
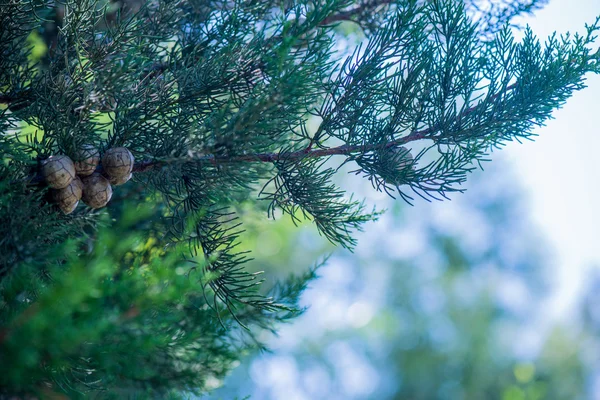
228, 102
213, 92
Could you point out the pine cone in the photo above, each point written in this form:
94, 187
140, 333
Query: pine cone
117, 181
96, 191
87, 159
118, 162
58, 171
68, 198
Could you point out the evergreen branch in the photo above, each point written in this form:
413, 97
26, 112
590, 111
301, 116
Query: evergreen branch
307, 153
324, 152
214, 98
305, 188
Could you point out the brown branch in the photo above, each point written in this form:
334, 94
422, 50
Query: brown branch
310, 153
147, 165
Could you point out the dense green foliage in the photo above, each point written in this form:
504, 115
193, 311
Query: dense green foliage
123, 317
215, 101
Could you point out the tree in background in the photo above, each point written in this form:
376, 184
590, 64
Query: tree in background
209, 104
456, 312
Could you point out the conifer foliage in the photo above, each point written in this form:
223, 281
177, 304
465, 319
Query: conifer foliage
215, 100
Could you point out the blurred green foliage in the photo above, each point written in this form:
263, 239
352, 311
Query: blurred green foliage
128, 316
460, 317
123, 303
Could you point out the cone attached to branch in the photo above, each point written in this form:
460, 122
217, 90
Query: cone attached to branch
58, 171
118, 163
96, 191
395, 163
87, 159
402, 157
68, 198
120, 180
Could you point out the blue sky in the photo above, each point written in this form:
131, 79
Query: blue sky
561, 169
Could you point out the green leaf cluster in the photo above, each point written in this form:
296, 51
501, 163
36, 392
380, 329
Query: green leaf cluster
215, 99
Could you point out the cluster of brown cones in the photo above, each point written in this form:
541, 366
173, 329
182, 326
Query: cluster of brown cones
73, 181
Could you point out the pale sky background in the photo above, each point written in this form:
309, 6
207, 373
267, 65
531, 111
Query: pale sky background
561, 169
